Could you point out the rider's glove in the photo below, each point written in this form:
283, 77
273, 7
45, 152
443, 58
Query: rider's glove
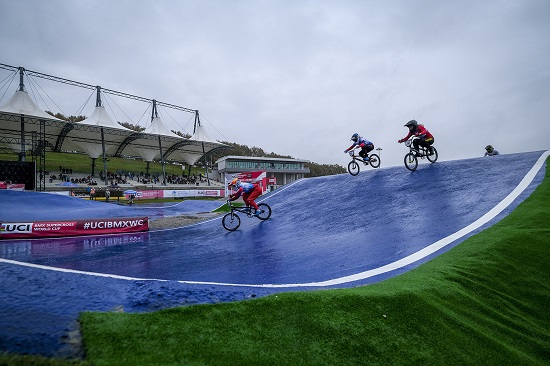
346, 151
400, 141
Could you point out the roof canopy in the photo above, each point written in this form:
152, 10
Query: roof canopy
21, 116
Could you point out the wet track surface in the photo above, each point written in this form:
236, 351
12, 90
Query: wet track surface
335, 231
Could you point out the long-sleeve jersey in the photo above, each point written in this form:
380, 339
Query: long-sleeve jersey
243, 188
420, 130
361, 141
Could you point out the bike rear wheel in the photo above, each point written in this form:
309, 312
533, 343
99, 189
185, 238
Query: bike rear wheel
432, 157
231, 221
265, 211
353, 168
374, 160
411, 161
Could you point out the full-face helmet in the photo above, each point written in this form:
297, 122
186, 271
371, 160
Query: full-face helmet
412, 124
489, 148
233, 183
355, 137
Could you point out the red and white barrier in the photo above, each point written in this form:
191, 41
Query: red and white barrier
47, 229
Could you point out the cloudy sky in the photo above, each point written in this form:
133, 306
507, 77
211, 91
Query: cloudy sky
299, 77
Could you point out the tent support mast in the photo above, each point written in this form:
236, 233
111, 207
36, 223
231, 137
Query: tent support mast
23, 152
198, 123
98, 104
154, 114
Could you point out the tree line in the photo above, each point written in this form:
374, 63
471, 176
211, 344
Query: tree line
315, 170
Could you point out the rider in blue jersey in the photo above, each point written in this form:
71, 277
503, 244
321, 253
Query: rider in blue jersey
361, 142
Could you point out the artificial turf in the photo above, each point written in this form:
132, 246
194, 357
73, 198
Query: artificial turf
485, 302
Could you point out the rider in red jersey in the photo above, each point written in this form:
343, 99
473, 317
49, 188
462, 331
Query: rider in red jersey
249, 191
425, 138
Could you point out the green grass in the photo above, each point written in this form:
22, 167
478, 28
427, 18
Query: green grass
32, 360
485, 302
82, 163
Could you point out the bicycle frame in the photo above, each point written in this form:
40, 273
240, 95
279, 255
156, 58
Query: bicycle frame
231, 220
353, 166
421, 149
411, 158
357, 157
247, 210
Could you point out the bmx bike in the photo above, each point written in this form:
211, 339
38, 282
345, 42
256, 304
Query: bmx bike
411, 158
231, 221
354, 167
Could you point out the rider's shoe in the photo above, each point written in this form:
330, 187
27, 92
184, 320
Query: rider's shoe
417, 154
367, 159
431, 150
258, 213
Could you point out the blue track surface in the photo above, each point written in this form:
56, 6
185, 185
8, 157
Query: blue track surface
335, 231
33, 206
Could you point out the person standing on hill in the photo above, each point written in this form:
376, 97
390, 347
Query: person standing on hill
490, 151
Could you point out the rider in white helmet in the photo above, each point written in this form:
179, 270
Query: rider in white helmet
360, 142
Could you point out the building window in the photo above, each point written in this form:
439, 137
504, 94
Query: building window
263, 165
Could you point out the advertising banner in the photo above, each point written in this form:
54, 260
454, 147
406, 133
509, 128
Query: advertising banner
14, 186
47, 229
259, 177
181, 193
149, 194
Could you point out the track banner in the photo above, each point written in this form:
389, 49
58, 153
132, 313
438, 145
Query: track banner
254, 177
48, 229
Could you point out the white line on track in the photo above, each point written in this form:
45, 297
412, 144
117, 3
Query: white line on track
432, 248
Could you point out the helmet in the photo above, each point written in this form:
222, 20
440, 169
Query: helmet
489, 148
355, 137
233, 182
412, 123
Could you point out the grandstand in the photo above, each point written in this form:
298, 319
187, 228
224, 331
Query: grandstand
25, 127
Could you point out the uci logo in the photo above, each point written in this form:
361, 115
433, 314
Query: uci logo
12, 228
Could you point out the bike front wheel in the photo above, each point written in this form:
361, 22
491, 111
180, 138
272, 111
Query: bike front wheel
374, 160
265, 211
231, 221
353, 168
432, 157
411, 161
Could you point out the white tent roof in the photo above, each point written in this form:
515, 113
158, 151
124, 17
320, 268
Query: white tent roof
85, 136
11, 113
157, 127
100, 117
201, 135
21, 103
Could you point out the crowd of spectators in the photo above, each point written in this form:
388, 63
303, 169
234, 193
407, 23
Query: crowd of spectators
123, 177
184, 179
67, 178
116, 178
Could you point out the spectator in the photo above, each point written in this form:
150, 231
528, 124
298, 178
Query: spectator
490, 151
